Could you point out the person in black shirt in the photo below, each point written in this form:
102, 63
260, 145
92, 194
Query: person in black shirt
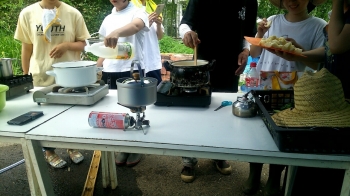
202, 27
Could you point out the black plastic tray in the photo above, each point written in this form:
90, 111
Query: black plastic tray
315, 140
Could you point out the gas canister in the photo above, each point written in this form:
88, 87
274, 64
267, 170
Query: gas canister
110, 120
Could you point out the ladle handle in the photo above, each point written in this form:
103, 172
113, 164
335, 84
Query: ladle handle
195, 55
140, 71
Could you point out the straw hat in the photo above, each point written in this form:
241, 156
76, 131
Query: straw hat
279, 4
319, 102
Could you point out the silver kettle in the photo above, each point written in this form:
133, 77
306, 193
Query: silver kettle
245, 106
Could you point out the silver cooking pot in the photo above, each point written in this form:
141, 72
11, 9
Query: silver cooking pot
6, 67
134, 92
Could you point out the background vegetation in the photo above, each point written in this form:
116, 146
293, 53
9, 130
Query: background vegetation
94, 12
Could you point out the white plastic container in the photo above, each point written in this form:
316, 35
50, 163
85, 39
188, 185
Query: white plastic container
123, 51
252, 80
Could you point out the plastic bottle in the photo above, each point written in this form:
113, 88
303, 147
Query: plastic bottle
123, 50
252, 79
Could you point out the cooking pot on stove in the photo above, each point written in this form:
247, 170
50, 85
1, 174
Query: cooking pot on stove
75, 73
6, 67
136, 92
185, 73
245, 106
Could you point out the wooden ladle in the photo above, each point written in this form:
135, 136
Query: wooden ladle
195, 55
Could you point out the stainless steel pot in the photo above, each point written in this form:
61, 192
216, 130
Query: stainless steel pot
136, 93
244, 107
75, 73
6, 67
186, 74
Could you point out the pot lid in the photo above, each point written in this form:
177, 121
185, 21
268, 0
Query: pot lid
3, 88
189, 63
74, 64
138, 82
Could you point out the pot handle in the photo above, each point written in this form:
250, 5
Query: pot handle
211, 65
167, 65
51, 73
98, 69
140, 71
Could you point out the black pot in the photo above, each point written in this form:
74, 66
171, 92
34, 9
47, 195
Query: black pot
186, 74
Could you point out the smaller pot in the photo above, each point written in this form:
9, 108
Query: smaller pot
244, 107
6, 67
75, 73
137, 92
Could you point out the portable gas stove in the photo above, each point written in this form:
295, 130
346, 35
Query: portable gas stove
169, 94
86, 95
18, 85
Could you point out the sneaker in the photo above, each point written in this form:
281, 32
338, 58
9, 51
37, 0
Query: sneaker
121, 158
133, 159
187, 174
223, 167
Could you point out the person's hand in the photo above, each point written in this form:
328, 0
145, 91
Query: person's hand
111, 40
262, 29
294, 43
154, 17
285, 55
59, 50
242, 61
191, 39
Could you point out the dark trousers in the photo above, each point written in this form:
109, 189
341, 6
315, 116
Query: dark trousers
155, 74
111, 78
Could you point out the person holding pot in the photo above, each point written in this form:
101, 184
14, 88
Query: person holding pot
199, 29
50, 31
126, 23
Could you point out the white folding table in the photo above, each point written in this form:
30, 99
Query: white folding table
175, 131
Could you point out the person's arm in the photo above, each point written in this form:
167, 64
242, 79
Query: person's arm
99, 62
61, 48
132, 28
154, 17
312, 59
255, 51
160, 32
338, 29
26, 53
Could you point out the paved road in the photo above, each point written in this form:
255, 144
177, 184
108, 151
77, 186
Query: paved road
154, 175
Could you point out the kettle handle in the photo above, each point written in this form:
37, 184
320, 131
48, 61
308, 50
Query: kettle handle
140, 71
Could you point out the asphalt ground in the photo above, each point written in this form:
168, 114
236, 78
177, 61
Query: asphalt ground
154, 175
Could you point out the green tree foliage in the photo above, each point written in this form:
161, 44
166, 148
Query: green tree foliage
94, 12
266, 9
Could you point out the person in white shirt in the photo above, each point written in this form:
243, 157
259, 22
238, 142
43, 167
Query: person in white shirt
126, 23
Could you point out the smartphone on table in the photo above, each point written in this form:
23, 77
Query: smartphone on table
159, 9
25, 118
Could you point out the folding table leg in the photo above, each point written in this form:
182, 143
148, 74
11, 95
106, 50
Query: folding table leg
104, 168
40, 167
345, 189
292, 170
112, 170
32, 180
